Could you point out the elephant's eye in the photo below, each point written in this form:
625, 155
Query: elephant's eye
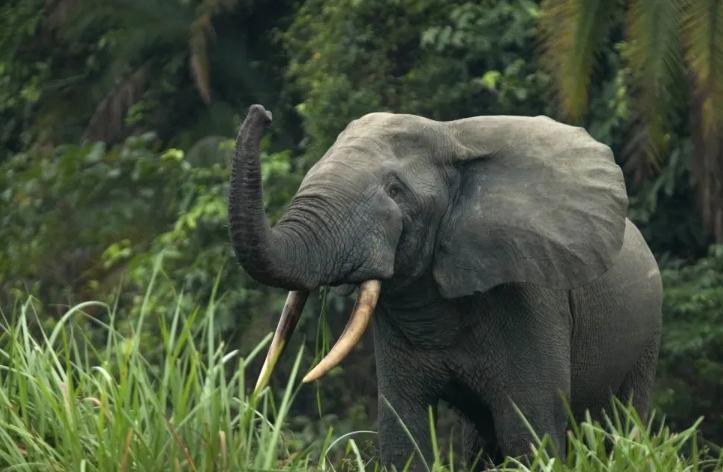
393, 191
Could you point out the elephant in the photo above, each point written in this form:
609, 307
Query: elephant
494, 260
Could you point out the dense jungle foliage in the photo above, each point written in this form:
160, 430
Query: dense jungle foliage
117, 121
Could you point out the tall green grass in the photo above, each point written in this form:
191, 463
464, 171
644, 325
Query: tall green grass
71, 401
622, 441
67, 403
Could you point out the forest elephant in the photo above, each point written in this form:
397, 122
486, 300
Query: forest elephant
493, 258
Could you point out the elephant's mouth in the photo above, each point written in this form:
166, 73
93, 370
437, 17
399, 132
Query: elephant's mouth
356, 326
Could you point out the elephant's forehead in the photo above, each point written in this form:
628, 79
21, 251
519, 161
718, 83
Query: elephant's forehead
392, 134
356, 172
392, 121
328, 178
375, 145
358, 164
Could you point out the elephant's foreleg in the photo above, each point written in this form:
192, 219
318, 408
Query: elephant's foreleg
543, 413
531, 356
478, 440
404, 433
409, 383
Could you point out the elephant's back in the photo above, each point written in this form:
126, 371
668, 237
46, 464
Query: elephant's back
616, 319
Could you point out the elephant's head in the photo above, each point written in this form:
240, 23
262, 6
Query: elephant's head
475, 202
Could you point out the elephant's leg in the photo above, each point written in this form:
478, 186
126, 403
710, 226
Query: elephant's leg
409, 383
404, 432
638, 383
543, 410
530, 345
477, 426
473, 444
480, 445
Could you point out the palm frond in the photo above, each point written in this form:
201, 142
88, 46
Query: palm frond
571, 33
703, 39
201, 32
654, 59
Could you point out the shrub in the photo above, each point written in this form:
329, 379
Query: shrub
690, 370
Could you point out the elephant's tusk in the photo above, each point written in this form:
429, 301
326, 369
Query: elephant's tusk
289, 317
358, 321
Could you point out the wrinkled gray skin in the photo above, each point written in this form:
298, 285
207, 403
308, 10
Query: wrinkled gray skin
509, 271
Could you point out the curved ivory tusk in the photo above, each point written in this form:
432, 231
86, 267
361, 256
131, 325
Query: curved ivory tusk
358, 321
289, 317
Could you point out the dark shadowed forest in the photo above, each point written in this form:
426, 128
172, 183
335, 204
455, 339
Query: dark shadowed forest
117, 128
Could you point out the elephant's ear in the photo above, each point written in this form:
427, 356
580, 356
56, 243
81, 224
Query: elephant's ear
538, 201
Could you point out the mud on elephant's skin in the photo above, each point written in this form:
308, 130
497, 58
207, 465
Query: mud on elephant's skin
494, 260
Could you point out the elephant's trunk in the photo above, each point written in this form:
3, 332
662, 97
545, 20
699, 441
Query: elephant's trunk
271, 256
280, 256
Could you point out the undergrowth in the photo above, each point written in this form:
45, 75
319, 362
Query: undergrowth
70, 400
